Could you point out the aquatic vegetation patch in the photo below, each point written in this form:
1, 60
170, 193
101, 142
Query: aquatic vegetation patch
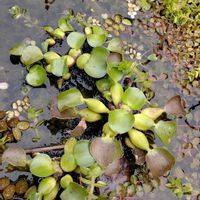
128, 119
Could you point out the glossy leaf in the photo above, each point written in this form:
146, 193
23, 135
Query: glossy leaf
95, 40
96, 65
69, 145
115, 45
134, 98
65, 181
116, 93
31, 54
52, 195
120, 120
66, 114
69, 99
36, 76
105, 152
82, 154
46, 185
97, 36
58, 67
96, 106
152, 57
138, 139
103, 84
41, 166
74, 192
14, 155
114, 73
152, 113
82, 60
76, 40
50, 56
143, 122
165, 130
159, 161
68, 162
64, 25
17, 49
59, 33
89, 115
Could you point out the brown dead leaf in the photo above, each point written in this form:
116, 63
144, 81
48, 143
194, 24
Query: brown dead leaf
79, 129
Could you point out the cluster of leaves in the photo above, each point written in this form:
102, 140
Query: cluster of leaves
91, 158
179, 188
181, 12
17, 13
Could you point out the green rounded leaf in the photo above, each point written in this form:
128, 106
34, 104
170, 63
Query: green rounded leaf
17, 49
58, 67
95, 40
76, 40
153, 113
82, 60
82, 154
36, 76
59, 33
50, 56
96, 65
46, 185
68, 162
138, 139
74, 192
31, 54
103, 84
89, 115
65, 181
134, 98
116, 93
165, 130
143, 122
52, 195
42, 166
115, 45
96, 106
64, 25
120, 120
69, 99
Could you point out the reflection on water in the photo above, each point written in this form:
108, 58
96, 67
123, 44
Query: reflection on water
48, 12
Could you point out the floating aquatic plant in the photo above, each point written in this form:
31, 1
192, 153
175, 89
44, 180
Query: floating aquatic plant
124, 109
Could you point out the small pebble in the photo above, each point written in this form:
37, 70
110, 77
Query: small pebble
9, 192
21, 186
17, 134
19, 102
20, 109
26, 99
3, 86
23, 125
13, 122
16, 113
14, 106
2, 114
4, 182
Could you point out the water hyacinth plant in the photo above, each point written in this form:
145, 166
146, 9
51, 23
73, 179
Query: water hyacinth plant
124, 109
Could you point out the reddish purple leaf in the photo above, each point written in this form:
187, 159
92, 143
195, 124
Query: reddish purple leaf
66, 114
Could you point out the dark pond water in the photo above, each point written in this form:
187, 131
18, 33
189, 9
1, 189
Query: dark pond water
13, 31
